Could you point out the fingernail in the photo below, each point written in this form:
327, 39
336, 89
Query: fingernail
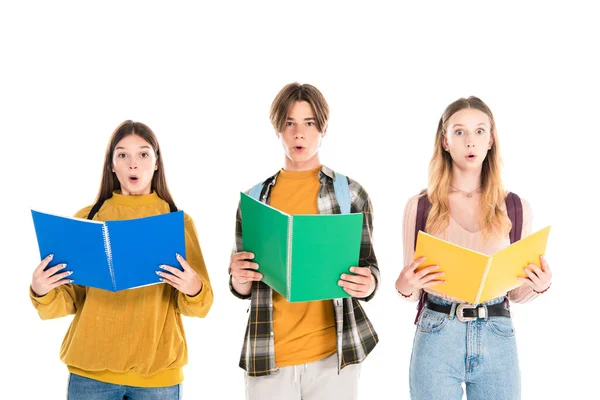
62, 266
51, 256
71, 281
343, 276
162, 266
161, 279
70, 273
436, 266
352, 269
158, 273
340, 283
177, 255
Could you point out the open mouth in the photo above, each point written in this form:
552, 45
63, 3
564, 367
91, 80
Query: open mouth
133, 179
298, 148
471, 157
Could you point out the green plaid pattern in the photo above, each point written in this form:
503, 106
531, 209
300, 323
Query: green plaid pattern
355, 334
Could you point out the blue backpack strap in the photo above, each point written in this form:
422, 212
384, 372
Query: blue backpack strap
256, 191
342, 192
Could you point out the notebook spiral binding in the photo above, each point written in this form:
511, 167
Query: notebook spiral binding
289, 257
109, 258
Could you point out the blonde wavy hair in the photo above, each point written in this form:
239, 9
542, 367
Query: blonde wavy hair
492, 215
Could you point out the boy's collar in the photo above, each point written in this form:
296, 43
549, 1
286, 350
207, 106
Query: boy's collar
324, 173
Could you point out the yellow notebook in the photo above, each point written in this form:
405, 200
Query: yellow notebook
475, 277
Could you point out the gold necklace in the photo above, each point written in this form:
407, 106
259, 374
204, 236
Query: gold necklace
468, 194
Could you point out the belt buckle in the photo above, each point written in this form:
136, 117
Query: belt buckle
459, 312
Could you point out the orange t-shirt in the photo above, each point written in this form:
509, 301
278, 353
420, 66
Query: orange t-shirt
303, 332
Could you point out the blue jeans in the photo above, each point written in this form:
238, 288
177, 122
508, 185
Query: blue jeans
81, 388
480, 353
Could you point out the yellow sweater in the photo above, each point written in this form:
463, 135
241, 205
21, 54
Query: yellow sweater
133, 337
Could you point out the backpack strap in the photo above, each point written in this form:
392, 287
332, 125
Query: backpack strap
256, 191
342, 192
423, 207
514, 209
95, 209
98, 205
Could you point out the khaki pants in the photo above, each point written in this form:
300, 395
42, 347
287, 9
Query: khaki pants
318, 380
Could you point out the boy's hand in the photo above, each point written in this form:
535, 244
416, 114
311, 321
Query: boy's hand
360, 285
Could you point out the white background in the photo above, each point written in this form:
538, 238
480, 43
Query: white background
203, 78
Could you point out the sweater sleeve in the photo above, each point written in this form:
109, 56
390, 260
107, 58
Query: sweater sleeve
199, 305
59, 302
524, 293
63, 300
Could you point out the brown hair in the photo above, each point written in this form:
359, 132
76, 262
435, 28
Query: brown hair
110, 182
296, 92
491, 214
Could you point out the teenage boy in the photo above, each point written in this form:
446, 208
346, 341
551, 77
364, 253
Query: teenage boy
309, 350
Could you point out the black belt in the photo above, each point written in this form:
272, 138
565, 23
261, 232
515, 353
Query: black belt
467, 312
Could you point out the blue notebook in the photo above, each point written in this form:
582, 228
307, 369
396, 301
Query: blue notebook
112, 255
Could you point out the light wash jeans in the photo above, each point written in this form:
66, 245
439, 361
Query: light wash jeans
480, 353
81, 388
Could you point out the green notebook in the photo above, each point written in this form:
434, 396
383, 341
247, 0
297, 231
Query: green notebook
301, 257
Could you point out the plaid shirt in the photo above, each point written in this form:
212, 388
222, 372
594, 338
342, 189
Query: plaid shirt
355, 334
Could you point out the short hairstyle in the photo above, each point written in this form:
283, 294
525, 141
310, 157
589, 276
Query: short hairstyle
296, 92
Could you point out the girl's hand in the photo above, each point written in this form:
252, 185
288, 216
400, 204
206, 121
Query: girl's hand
44, 281
539, 279
186, 281
411, 280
